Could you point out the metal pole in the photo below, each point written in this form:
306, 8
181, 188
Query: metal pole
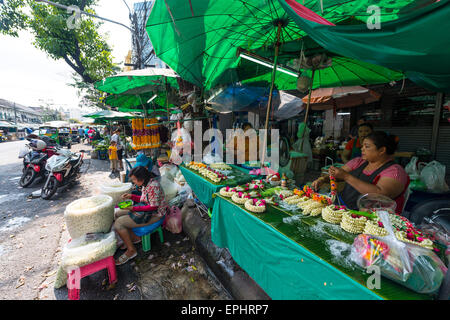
269, 104
436, 119
307, 108
15, 114
309, 96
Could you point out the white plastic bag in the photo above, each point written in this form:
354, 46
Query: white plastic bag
173, 221
169, 171
83, 251
169, 187
89, 215
433, 175
115, 190
414, 267
411, 168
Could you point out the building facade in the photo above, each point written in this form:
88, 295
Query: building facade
17, 113
147, 59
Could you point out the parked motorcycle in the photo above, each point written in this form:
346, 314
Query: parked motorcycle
34, 156
63, 168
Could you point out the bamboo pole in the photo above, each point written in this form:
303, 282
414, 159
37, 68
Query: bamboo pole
269, 103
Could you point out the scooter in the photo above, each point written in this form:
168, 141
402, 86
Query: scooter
63, 168
34, 160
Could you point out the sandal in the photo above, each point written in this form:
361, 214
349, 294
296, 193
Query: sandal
124, 259
123, 246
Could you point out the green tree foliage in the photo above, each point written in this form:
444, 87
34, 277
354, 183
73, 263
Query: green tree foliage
82, 48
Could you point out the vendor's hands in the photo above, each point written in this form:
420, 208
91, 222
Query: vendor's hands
126, 196
316, 184
338, 173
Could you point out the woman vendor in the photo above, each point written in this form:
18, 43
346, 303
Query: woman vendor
374, 172
151, 207
353, 147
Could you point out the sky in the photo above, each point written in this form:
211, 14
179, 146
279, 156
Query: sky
28, 76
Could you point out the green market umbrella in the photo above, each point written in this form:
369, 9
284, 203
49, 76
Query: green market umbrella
134, 101
138, 81
109, 115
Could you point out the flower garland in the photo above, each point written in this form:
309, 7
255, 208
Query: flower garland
353, 223
220, 166
212, 174
240, 197
333, 213
196, 165
227, 191
255, 205
333, 188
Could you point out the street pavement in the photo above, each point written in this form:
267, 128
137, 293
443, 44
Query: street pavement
33, 235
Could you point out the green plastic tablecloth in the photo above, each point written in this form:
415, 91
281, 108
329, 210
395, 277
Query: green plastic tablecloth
204, 188
288, 263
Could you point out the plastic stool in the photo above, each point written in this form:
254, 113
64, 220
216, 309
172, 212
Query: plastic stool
107, 263
146, 231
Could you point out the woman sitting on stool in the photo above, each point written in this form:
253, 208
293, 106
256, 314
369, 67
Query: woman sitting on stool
151, 207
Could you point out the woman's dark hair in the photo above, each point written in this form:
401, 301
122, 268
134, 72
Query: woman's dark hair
247, 124
142, 173
382, 139
368, 125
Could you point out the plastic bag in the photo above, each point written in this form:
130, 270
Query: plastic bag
83, 251
89, 215
433, 175
115, 190
209, 158
437, 233
169, 171
173, 221
416, 268
169, 187
411, 168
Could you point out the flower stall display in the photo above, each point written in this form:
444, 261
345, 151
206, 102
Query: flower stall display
255, 205
145, 137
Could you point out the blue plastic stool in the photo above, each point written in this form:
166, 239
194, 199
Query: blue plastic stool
146, 231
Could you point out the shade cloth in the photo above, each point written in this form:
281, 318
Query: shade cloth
416, 43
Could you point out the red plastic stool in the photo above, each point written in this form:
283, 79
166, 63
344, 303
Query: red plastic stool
74, 279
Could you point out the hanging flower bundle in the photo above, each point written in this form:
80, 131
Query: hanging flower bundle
145, 137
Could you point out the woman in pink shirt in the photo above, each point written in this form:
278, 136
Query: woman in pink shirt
374, 172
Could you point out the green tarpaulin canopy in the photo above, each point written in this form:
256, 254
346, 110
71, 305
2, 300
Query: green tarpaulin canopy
416, 43
199, 39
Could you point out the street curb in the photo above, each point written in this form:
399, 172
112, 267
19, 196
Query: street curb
235, 280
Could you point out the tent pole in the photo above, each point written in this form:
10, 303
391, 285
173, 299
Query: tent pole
269, 103
309, 96
167, 100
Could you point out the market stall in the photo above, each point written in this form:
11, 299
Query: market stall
295, 255
204, 188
